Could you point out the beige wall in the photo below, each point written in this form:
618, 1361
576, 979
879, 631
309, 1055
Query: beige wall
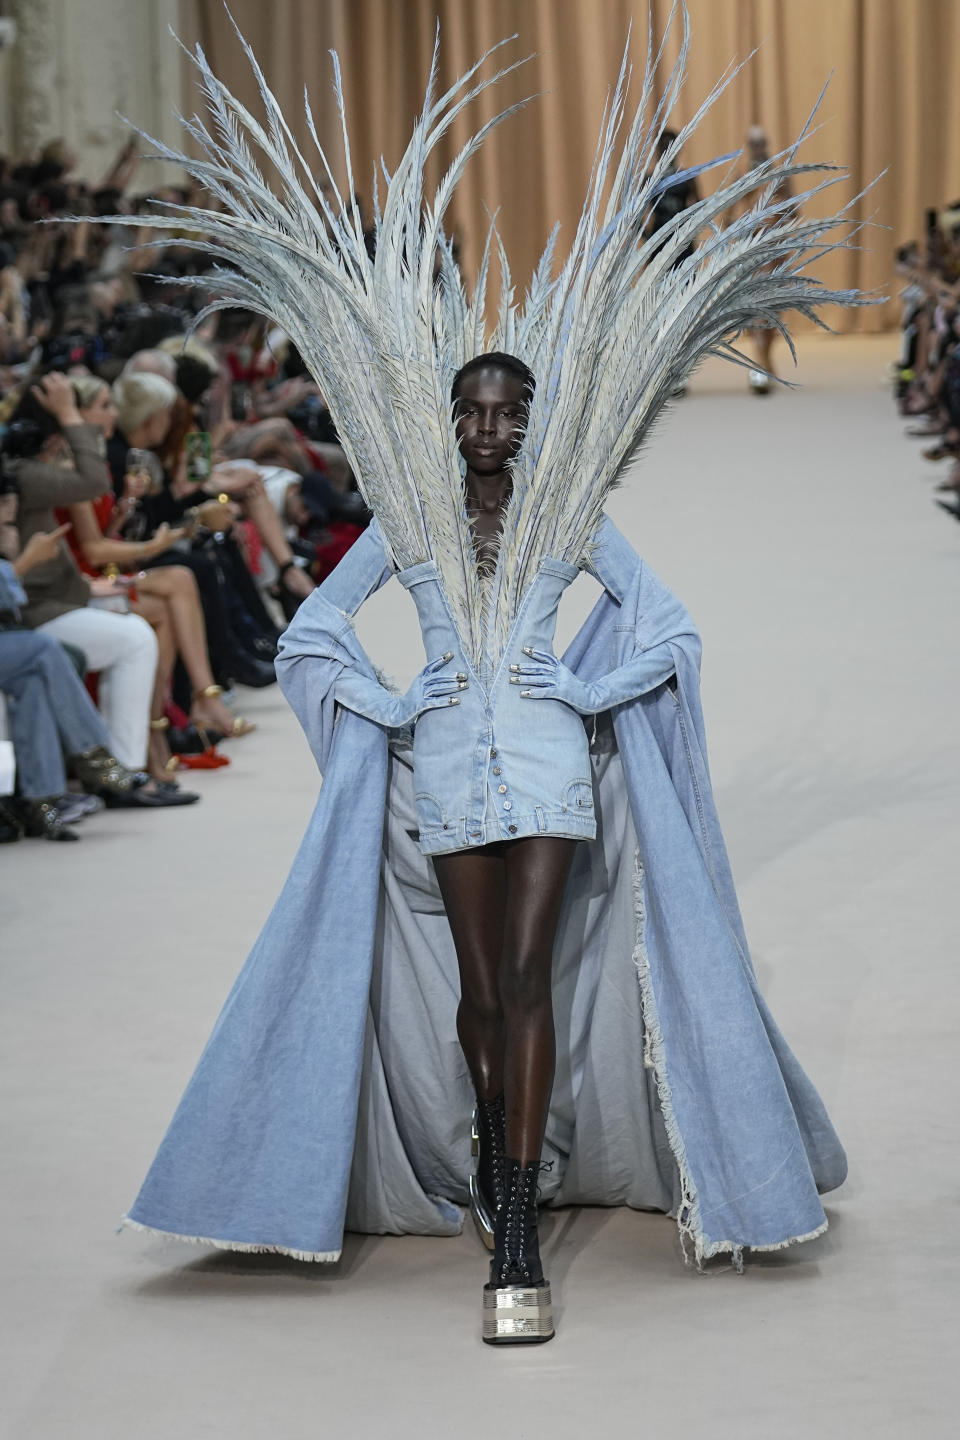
893, 103
76, 63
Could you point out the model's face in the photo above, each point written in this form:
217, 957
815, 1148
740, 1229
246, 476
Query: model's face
101, 411
490, 414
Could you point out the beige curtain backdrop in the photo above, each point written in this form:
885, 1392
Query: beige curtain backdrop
893, 102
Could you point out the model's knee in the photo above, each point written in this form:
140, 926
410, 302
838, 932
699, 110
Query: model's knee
525, 982
480, 1005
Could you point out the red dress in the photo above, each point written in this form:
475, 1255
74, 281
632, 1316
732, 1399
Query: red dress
103, 508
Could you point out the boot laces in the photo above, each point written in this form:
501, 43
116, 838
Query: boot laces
521, 1199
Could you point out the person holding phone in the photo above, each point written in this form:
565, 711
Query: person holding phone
51, 715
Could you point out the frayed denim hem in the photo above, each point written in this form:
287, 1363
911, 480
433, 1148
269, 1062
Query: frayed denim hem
325, 1256
687, 1216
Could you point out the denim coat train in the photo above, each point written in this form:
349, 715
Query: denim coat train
332, 1092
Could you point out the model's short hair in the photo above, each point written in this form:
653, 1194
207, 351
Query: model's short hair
497, 360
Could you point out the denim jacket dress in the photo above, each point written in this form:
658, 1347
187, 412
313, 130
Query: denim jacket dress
492, 765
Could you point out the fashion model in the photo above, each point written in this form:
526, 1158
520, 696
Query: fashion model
519, 848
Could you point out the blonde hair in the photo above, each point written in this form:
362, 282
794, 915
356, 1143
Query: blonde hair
140, 396
152, 362
86, 388
177, 345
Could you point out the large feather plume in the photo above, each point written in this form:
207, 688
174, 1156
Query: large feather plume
608, 338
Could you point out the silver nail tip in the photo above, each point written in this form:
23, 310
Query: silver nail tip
454, 700
526, 694
447, 656
461, 675
515, 669
462, 685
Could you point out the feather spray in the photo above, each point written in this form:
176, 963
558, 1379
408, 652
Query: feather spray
609, 337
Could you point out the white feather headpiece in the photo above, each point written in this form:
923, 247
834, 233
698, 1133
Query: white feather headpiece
608, 338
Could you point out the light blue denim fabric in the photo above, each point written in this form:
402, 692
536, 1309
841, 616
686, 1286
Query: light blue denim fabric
294, 1108
496, 766
12, 594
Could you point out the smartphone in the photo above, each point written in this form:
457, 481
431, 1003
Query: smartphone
199, 453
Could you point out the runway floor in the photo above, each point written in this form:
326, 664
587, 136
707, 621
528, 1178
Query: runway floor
800, 533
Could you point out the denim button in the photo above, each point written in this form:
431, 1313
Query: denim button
502, 789
512, 829
493, 754
507, 805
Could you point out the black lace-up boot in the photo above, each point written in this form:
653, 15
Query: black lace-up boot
517, 1307
486, 1184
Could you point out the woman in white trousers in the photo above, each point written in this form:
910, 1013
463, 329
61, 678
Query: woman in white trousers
123, 649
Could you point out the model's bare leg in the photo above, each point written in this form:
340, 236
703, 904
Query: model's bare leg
537, 871
503, 903
473, 885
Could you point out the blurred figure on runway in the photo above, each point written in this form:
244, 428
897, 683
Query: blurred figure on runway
762, 337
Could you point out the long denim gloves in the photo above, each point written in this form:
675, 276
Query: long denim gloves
433, 688
544, 677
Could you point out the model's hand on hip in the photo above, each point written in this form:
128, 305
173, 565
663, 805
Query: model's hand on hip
437, 685
544, 677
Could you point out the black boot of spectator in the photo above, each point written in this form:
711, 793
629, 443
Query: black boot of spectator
11, 828
43, 821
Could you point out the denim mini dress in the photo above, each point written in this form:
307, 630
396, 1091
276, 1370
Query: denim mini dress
497, 766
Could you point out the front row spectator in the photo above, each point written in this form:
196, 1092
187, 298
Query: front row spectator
122, 648
50, 713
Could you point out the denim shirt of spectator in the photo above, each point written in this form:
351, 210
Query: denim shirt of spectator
332, 1092
13, 597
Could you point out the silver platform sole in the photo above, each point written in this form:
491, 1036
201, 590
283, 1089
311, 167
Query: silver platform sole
517, 1314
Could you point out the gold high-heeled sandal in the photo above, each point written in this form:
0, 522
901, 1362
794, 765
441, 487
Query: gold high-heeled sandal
240, 726
160, 724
